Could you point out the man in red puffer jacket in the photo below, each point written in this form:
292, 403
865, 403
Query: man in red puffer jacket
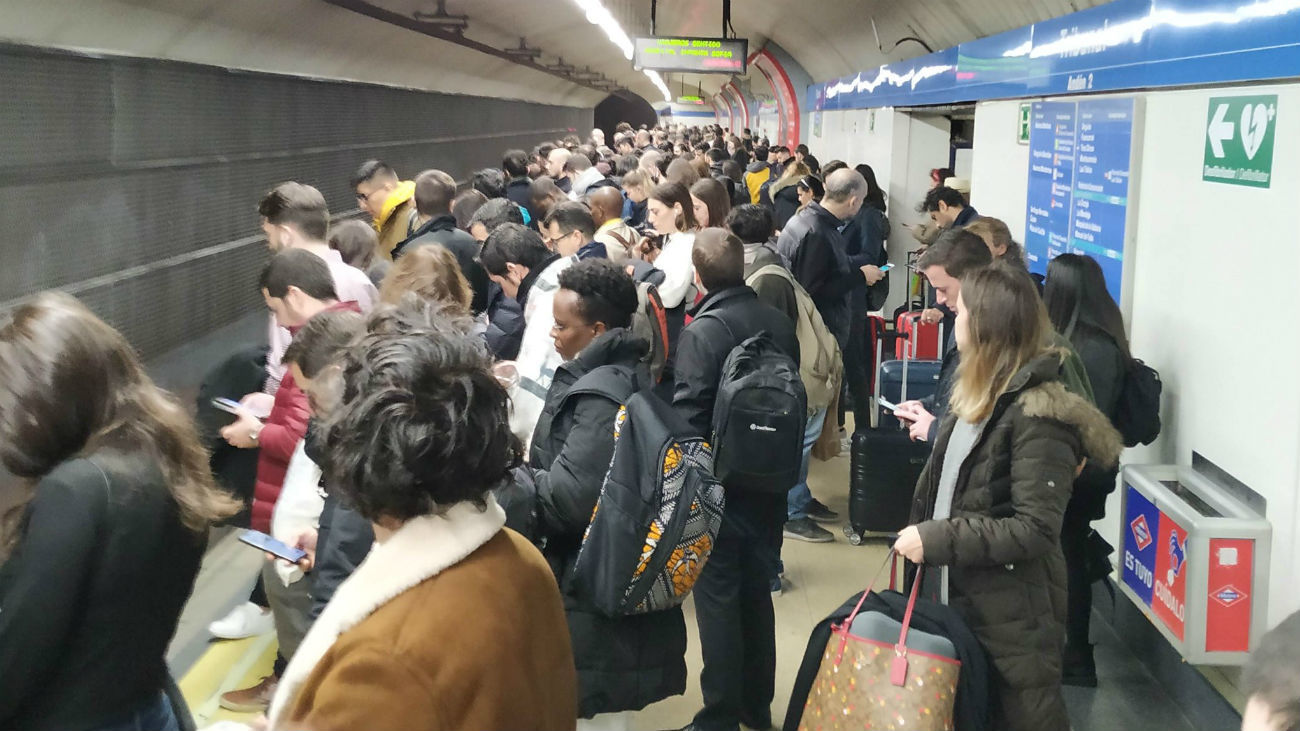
297, 286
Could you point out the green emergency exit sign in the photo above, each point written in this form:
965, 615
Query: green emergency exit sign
1239, 133
1024, 124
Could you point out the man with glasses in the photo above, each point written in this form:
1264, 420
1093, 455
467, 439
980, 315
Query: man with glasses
389, 201
569, 230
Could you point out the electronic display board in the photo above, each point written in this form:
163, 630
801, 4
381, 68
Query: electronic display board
694, 55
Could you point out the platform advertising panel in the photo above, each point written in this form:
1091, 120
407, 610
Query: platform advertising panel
1170, 592
1140, 522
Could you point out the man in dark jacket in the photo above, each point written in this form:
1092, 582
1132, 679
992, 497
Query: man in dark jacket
434, 192
811, 241
952, 256
505, 317
947, 208
624, 663
733, 600
519, 186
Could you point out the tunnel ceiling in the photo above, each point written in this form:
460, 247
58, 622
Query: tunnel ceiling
320, 38
828, 37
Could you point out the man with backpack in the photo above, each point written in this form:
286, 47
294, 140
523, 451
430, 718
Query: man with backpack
733, 601
765, 273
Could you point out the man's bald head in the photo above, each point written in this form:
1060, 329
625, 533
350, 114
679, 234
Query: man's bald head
845, 191
556, 161
606, 204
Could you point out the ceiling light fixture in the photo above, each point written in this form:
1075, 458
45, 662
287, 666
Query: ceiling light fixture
599, 16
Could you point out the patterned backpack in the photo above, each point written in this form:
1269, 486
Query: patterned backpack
657, 517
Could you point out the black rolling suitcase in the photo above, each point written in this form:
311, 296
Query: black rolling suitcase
883, 469
884, 462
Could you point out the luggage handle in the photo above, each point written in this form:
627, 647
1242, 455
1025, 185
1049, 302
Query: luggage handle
898, 667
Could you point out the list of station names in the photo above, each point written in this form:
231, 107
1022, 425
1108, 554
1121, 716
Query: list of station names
1079, 159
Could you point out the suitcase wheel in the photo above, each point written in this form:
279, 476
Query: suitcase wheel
848, 530
855, 538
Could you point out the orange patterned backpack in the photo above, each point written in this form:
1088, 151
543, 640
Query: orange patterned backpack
658, 515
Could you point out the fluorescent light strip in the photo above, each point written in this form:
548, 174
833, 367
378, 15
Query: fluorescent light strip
597, 15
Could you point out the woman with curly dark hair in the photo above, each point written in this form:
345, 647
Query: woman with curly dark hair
451, 622
99, 558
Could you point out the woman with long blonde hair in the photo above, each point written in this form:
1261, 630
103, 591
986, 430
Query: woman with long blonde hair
988, 508
432, 273
102, 551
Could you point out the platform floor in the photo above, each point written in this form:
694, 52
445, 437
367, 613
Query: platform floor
819, 578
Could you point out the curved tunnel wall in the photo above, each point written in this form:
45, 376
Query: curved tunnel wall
133, 183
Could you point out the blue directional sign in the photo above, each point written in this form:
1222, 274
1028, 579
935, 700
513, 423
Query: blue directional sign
1079, 159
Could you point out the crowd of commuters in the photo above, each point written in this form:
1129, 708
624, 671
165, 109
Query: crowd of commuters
427, 433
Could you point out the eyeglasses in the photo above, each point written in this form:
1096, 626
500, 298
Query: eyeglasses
551, 241
365, 197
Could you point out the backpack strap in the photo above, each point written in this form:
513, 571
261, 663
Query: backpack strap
626, 244
615, 382
770, 269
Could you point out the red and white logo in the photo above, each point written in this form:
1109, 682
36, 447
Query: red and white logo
1228, 595
1141, 534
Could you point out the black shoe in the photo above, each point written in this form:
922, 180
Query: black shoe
1079, 669
820, 513
804, 529
755, 723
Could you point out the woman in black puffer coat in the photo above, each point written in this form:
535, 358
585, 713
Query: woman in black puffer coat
624, 663
1083, 311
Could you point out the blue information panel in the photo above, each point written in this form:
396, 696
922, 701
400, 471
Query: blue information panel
1079, 158
1101, 184
1141, 521
1051, 177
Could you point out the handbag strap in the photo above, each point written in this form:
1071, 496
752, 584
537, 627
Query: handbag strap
848, 622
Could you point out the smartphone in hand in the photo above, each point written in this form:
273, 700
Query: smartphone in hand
227, 405
279, 549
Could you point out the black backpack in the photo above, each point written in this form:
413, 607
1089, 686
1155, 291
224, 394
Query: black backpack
759, 417
1138, 415
659, 511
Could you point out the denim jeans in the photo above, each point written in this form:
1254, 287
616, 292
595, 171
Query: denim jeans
796, 501
157, 715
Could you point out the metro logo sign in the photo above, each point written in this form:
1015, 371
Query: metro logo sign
1228, 595
1141, 534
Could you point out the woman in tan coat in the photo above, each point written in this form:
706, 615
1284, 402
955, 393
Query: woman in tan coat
452, 621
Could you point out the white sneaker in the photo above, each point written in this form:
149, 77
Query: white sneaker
245, 620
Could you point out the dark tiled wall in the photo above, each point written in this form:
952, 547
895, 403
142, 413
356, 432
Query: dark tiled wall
132, 183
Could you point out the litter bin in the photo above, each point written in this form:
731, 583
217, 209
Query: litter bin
1195, 561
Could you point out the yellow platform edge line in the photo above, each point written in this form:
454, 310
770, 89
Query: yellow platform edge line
223, 667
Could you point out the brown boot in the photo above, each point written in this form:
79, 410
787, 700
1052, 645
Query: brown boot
251, 700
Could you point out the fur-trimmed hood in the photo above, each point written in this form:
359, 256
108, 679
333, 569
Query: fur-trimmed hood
1050, 400
422, 548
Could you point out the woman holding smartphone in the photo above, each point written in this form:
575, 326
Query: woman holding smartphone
989, 506
102, 554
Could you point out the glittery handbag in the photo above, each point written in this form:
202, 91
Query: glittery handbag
867, 683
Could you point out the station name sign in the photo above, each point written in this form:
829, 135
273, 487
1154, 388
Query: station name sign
694, 55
